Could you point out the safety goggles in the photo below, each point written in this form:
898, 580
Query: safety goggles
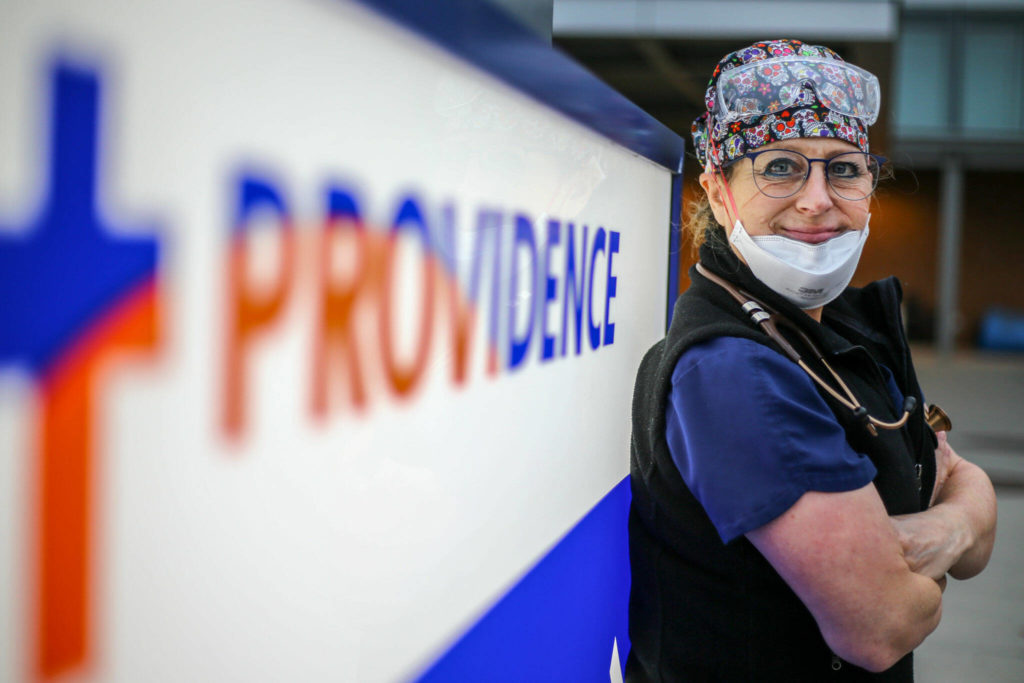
772, 85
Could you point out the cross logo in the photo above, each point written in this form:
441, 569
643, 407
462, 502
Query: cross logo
72, 291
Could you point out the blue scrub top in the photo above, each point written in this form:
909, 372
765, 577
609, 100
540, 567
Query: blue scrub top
750, 434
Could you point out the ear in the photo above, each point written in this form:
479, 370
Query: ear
713, 189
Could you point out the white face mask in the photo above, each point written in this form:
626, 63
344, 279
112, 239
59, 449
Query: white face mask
808, 275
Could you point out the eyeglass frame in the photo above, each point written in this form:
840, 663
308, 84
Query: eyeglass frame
810, 163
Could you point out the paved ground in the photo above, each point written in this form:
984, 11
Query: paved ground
981, 637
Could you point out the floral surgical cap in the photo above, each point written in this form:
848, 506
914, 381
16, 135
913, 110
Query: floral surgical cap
810, 118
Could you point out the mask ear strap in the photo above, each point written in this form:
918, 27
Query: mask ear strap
723, 184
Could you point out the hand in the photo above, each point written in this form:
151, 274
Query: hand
956, 533
945, 458
932, 542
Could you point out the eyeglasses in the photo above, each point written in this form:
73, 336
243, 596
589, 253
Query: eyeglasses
781, 173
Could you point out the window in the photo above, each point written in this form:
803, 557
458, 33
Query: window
993, 56
959, 75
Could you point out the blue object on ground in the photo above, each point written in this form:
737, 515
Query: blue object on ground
1002, 330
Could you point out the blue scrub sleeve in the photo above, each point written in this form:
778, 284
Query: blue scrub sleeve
750, 435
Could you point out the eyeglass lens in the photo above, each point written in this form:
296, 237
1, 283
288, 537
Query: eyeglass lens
782, 173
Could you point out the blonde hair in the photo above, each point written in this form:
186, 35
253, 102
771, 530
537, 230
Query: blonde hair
700, 224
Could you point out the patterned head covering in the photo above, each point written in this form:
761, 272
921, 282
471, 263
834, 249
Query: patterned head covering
807, 117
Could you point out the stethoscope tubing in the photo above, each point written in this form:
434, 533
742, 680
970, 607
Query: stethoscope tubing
768, 320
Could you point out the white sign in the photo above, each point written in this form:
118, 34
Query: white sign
313, 339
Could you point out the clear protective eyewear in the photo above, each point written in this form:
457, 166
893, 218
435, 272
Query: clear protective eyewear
771, 85
781, 173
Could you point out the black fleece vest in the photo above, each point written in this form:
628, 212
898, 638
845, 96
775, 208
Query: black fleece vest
701, 610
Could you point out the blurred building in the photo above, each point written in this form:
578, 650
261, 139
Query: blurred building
949, 223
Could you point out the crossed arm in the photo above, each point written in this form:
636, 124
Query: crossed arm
874, 583
955, 534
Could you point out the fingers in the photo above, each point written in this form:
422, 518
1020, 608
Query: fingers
944, 459
926, 543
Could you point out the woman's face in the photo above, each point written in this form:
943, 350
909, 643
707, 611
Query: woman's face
814, 214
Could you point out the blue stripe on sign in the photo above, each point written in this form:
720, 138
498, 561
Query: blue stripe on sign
558, 623
675, 234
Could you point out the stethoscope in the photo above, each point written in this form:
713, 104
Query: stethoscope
769, 320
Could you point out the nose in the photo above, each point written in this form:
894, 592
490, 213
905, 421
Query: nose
815, 196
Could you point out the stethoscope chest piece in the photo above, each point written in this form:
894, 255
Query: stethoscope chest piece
937, 418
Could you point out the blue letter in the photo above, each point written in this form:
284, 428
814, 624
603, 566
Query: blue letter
609, 327
445, 243
577, 287
548, 342
488, 226
257, 192
409, 213
517, 347
342, 205
595, 330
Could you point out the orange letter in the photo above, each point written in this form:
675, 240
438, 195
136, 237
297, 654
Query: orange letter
337, 302
403, 380
247, 312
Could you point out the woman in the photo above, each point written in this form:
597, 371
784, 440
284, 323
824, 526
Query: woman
794, 516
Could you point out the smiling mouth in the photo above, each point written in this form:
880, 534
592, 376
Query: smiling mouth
812, 235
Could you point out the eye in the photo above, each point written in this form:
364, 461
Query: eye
781, 167
845, 170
